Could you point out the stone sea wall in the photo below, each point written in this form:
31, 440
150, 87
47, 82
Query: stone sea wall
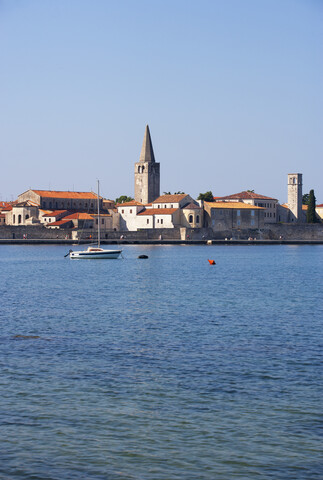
277, 231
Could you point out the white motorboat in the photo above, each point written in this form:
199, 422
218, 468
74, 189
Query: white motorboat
94, 252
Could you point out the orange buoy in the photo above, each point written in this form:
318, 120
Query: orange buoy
211, 262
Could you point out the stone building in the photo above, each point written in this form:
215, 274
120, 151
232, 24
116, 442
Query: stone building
231, 216
54, 200
147, 173
167, 211
251, 198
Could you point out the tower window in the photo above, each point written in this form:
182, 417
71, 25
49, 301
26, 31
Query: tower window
147, 220
190, 219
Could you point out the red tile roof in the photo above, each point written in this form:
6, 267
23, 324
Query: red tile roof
56, 194
245, 195
79, 216
59, 223
170, 198
192, 206
54, 213
158, 211
320, 206
236, 205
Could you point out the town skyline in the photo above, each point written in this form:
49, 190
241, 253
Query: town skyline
231, 93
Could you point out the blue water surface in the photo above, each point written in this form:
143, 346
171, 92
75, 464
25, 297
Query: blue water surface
161, 369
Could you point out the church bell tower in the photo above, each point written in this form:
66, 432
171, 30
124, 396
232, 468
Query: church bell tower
147, 173
295, 196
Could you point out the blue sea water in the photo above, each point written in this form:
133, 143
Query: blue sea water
161, 369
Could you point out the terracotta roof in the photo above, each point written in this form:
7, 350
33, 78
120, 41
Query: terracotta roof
158, 211
133, 203
170, 198
57, 224
79, 216
236, 205
304, 207
54, 213
245, 195
93, 215
56, 194
192, 206
319, 206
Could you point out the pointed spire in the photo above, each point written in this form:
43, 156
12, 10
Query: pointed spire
147, 152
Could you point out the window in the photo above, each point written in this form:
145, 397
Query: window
161, 221
26, 217
44, 204
96, 221
130, 210
274, 214
197, 219
14, 219
49, 219
19, 218
238, 213
190, 218
252, 213
157, 220
122, 211
147, 220
171, 206
86, 204
238, 222
165, 206
252, 222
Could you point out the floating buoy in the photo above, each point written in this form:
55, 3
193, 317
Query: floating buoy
143, 256
211, 262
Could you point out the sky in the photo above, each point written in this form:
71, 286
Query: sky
231, 91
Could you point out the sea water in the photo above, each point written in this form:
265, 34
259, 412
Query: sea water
160, 369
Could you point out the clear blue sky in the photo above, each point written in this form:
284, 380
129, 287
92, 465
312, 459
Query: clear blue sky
231, 90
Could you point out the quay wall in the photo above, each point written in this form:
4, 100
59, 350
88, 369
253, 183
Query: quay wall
304, 232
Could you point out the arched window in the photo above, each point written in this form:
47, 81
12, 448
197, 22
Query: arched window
139, 169
190, 219
143, 168
26, 217
197, 219
19, 218
50, 205
294, 180
14, 219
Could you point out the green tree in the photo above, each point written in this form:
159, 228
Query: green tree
251, 191
311, 215
305, 198
207, 196
123, 199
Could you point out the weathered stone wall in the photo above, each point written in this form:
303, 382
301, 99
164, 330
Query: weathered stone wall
306, 231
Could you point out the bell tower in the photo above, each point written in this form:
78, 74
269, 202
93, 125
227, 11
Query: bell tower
294, 191
147, 173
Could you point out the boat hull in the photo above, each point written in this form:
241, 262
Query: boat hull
104, 254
